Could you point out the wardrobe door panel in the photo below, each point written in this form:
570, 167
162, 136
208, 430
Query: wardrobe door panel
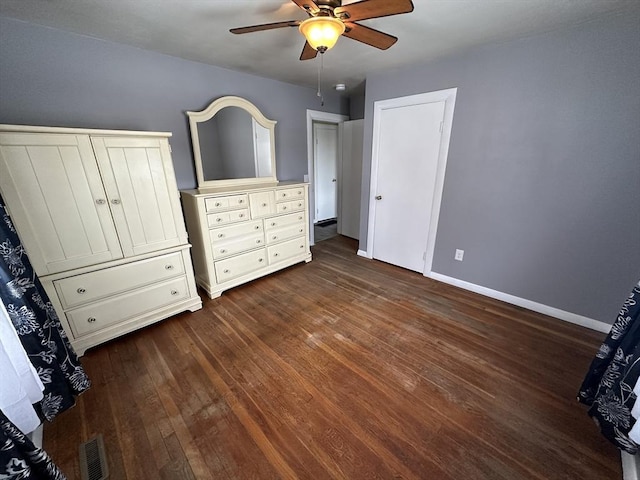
57, 201
140, 188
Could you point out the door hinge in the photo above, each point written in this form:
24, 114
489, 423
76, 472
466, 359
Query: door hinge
170, 151
441, 126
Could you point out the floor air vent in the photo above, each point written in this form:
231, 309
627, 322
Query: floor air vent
93, 461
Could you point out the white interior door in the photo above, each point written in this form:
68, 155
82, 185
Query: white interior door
326, 170
351, 179
408, 151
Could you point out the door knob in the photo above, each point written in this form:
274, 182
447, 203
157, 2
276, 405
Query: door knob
334, 180
378, 197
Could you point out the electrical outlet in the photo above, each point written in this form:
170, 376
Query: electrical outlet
459, 255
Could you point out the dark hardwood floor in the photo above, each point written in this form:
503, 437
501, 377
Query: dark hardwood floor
342, 368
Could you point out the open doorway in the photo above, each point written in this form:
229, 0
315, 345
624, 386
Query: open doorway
325, 162
323, 150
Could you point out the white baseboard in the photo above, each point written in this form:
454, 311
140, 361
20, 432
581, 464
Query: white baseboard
522, 302
630, 466
362, 253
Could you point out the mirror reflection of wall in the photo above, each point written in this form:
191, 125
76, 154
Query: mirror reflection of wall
262, 147
227, 148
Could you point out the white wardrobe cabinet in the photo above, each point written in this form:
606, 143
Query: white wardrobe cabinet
98, 212
240, 234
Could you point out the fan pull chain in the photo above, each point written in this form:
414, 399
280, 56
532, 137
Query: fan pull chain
319, 94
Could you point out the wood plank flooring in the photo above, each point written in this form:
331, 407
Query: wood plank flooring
343, 368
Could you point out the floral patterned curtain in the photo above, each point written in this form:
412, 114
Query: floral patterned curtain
37, 324
20, 459
47, 347
609, 384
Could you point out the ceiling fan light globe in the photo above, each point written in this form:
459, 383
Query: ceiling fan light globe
322, 32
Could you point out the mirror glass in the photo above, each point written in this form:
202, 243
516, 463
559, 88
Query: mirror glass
233, 143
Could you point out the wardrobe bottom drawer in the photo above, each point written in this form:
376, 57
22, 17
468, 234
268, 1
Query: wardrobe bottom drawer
96, 316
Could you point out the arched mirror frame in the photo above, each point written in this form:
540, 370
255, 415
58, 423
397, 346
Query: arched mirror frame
207, 114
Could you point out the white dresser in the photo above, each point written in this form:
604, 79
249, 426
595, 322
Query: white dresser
240, 234
98, 212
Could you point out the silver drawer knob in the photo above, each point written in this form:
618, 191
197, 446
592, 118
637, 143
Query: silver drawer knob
257, 227
223, 251
116, 201
284, 194
218, 219
301, 230
81, 290
168, 267
273, 224
218, 204
259, 260
276, 254
91, 319
101, 201
241, 215
220, 235
301, 246
299, 204
240, 201
275, 237
258, 241
284, 208
226, 270
174, 292
264, 204
299, 192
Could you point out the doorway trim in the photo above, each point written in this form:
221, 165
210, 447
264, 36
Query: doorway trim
449, 97
315, 115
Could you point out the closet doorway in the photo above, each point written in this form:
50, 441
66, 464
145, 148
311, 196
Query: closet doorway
410, 148
323, 147
325, 155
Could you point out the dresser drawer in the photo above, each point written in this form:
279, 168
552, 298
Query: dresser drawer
284, 221
262, 204
216, 204
233, 231
222, 249
96, 316
81, 289
289, 194
292, 206
283, 251
223, 218
285, 233
240, 265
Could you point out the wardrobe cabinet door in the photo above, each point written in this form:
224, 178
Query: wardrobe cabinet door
143, 196
52, 187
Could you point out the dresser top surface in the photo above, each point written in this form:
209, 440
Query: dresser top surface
237, 188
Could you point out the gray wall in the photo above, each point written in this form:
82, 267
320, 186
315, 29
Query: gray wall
542, 188
54, 78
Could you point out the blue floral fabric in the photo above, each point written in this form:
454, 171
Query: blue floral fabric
38, 326
612, 376
20, 459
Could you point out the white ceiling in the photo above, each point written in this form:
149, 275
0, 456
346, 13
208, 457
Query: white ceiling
199, 30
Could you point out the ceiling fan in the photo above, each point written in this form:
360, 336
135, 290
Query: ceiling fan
328, 19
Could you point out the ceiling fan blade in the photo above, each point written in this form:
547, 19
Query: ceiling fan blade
308, 52
308, 6
370, 36
265, 26
366, 9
